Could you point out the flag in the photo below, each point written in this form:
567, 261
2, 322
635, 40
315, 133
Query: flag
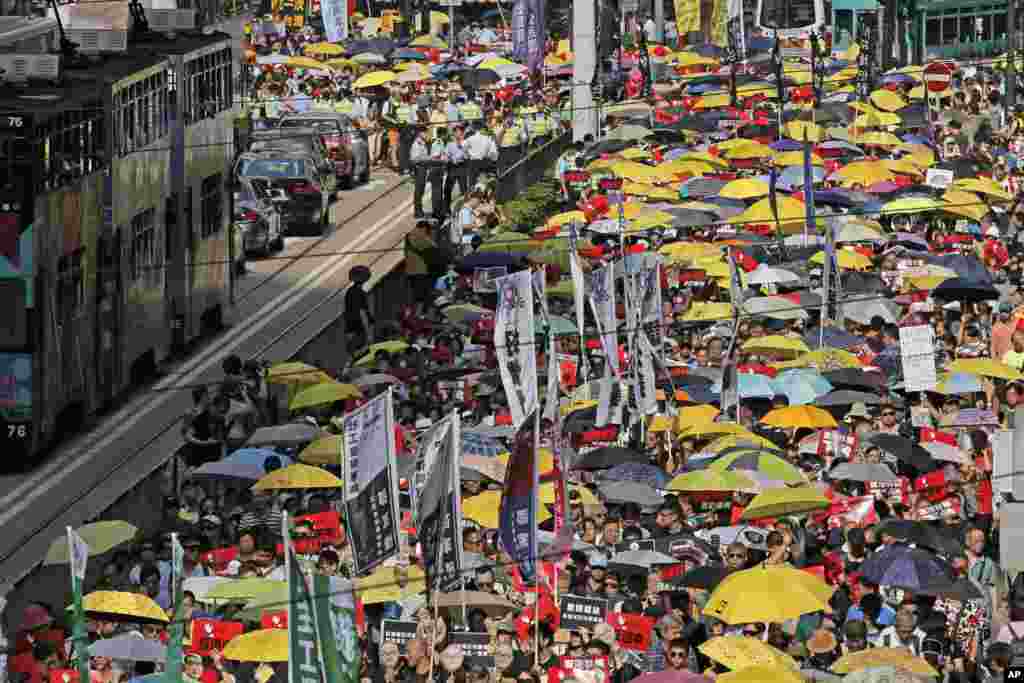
306, 664
604, 400
564, 532
646, 386
602, 302
514, 329
536, 34
579, 291
551, 390
517, 514
808, 187
176, 642
439, 516
735, 283
78, 551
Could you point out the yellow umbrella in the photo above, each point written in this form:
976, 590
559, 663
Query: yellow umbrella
733, 440
848, 260
324, 49
243, 590
688, 58
785, 501
712, 101
879, 138
706, 428
561, 219
985, 186
439, 18
651, 220
428, 41
495, 62
389, 346
298, 476
922, 155
760, 674
686, 167
810, 417
483, 509
711, 481
636, 153
985, 367
911, 205
887, 100
792, 214
296, 373
101, 537
322, 394
965, 204
826, 358
266, 645
324, 451
705, 311
649, 191
657, 424
744, 188
776, 342
690, 250
339, 63
876, 119
896, 657
691, 415
801, 130
863, 172
306, 63
124, 604
374, 79
706, 157
749, 150
795, 158
767, 594
904, 166
741, 652
546, 494
387, 584
632, 170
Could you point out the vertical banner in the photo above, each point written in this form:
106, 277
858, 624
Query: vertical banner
730, 381
335, 16
736, 29
808, 188
371, 483
646, 386
517, 515
78, 552
306, 661
439, 516
602, 302
578, 294
514, 344
176, 642
427, 451
687, 16
536, 34
720, 23
520, 16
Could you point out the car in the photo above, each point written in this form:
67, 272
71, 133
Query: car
347, 145
297, 185
257, 216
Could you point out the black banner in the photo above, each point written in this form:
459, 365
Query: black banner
397, 631
476, 646
580, 612
444, 573
637, 544
371, 526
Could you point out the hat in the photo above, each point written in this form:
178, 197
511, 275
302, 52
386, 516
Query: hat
858, 411
35, 616
821, 642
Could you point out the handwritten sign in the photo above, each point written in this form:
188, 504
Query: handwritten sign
579, 612
210, 634
476, 646
397, 631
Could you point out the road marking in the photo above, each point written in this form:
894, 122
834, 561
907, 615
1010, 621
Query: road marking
190, 371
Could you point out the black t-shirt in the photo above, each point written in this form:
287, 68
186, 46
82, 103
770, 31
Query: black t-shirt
356, 301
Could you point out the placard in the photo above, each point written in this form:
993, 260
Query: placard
274, 619
585, 669
634, 631
397, 631
580, 612
917, 347
941, 510
326, 527
891, 492
859, 511
212, 634
476, 646
637, 544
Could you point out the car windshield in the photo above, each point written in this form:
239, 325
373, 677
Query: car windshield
321, 126
273, 168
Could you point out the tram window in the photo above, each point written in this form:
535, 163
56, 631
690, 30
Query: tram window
209, 85
145, 265
787, 14
933, 32
72, 146
140, 114
950, 31
71, 292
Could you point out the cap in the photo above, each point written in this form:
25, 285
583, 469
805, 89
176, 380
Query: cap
598, 561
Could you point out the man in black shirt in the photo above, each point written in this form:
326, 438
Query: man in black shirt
358, 319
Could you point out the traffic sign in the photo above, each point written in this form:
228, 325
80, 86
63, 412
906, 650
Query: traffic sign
937, 76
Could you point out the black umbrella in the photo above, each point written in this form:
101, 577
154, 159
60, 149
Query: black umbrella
921, 534
693, 381
478, 78
846, 397
855, 378
904, 450
901, 566
606, 147
697, 123
706, 578
863, 283
961, 590
608, 457
580, 421
959, 289
961, 168
665, 136
834, 337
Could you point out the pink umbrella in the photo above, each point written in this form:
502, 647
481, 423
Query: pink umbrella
671, 677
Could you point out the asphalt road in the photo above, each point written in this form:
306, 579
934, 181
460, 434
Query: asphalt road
281, 303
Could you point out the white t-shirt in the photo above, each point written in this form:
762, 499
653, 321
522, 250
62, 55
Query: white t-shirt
650, 30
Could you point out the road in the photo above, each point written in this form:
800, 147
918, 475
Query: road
280, 304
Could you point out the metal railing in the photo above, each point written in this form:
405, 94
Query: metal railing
516, 174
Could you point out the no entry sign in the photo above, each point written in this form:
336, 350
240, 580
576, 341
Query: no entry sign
937, 76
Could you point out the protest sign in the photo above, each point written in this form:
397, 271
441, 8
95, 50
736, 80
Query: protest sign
212, 634
475, 646
579, 612
397, 631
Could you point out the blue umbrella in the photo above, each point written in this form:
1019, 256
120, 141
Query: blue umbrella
786, 145
915, 139
255, 456
801, 386
961, 383
793, 176
752, 386
637, 472
900, 566
407, 53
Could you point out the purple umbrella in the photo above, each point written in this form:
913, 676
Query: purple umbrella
670, 676
884, 187
637, 472
786, 145
901, 566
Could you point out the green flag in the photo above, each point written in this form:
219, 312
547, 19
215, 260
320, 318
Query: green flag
175, 645
78, 550
306, 663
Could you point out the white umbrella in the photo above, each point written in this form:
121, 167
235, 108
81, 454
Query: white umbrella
774, 307
643, 558
199, 586
130, 647
768, 275
275, 58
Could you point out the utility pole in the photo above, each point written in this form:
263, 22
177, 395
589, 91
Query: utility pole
1011, 56
659, 21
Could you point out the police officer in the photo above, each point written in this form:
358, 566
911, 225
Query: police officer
427, 160
457, 156
469, 110
510, 137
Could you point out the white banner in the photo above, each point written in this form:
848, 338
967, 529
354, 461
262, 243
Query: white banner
578, 294
78, 552
427, 452
647, 390
604, 401
602, 302
369, 444
514, 344
335, 15
651, 308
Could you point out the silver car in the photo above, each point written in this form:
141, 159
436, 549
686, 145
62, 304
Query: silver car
347, 145
257, 216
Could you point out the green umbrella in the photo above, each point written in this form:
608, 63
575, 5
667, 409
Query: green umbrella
764, 462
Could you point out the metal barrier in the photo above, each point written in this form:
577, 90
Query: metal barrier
530, 168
